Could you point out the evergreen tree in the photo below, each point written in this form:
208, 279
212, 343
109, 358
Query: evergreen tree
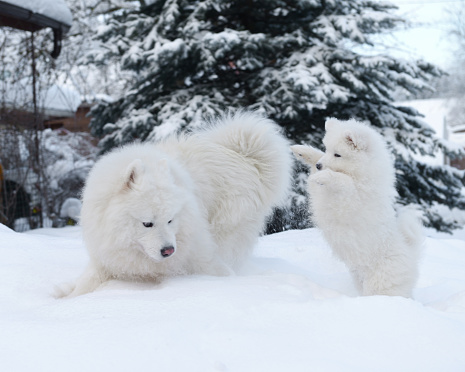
297, 61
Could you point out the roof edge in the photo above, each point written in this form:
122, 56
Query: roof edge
28, 20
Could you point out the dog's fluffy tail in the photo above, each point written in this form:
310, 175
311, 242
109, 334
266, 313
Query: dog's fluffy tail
261, 142
409, 223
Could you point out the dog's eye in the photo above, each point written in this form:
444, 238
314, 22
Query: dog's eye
147, 224
170, 221
337, 155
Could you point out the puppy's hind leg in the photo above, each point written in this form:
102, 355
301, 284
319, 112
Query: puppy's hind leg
357, 278
390, 278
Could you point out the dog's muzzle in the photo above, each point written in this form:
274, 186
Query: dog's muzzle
167, 251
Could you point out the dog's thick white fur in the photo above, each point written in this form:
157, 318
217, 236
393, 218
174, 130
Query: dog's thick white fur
193, 204
352, 191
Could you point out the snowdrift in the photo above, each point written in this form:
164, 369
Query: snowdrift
292, 308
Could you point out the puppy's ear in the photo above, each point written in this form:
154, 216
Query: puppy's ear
307, 154
356, 141
330, 123
134, 174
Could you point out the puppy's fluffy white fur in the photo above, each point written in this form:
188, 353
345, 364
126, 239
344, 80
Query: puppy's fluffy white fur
352, 191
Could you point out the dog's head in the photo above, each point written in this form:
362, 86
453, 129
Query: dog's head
150, 203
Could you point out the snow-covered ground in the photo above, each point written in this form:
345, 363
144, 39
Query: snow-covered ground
293, 308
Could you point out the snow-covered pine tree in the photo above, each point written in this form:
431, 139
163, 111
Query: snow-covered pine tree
297, 61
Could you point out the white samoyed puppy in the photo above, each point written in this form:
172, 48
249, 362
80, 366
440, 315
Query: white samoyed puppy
192, 204
352, 192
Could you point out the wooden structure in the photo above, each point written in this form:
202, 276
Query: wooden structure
31, 16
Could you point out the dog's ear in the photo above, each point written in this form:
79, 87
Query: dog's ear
134, 173
356, 141
307, 154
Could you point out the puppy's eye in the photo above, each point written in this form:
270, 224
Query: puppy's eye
147, 224
170, 221
337, 155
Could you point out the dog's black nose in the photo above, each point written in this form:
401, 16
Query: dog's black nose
167, 251
318, 166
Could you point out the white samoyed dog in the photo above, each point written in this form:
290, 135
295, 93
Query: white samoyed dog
352, 192
192, 204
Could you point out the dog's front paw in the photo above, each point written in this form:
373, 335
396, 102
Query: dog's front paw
217, 267
63, 290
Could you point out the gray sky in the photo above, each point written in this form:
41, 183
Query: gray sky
428, 37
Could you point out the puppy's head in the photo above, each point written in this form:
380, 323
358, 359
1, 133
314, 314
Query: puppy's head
348, 146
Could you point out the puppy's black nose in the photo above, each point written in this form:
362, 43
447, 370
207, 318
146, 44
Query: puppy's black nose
167, 251
318, 166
